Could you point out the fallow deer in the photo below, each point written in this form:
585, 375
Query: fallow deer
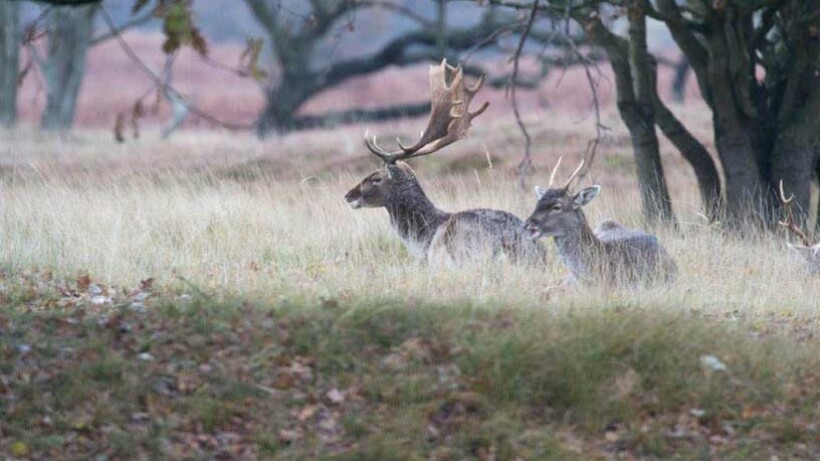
429, 233
612, 254
809, 252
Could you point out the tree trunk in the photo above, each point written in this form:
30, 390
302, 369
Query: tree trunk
698, 157
639, 114
9, 61
796, 155
70, 30
281, 104
738, 136
617, 49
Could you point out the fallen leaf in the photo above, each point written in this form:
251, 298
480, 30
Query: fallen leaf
19, 449
289, 435
145, 356
713, 363
99, 299
335, 396
83, 281
307, 412
147, 284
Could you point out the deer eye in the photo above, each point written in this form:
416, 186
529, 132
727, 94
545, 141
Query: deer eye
377, 180
556, 207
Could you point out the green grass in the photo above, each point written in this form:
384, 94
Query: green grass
253, 380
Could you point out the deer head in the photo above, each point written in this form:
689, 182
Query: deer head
378, 187
558, 211
450, 120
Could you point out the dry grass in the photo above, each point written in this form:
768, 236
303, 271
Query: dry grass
267, 218
486, 361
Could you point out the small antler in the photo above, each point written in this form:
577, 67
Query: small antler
574, 175
450, 116
555, 170
788, 221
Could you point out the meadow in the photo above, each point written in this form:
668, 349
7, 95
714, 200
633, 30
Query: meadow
213, 295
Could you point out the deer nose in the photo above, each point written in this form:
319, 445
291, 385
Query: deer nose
353, 194
529, 224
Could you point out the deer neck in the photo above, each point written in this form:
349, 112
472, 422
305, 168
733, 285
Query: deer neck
414, 216
580, 249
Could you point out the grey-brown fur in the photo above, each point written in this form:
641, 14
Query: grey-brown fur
612, 254
437, 236
811, 254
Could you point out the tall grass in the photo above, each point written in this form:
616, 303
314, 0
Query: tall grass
249, 224
484, 360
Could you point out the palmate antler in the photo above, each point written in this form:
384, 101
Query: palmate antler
788, 220
450, 115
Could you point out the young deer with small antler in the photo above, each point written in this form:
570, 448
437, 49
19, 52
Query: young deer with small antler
611, 254
811, 253
428, 232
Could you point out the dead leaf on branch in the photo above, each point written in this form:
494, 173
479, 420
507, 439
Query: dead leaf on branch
249, 59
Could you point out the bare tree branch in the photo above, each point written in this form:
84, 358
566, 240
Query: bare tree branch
133, 22
525, 166
162, 84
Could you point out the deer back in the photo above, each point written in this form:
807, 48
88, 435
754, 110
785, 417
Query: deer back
481, 234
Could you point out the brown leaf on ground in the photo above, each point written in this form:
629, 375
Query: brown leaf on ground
83, 282
335, 396
289, 435
147, 284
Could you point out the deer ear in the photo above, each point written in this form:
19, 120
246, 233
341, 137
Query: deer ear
585, 196
540, 191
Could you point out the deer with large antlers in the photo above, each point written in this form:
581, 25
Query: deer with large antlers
431, 234
611, 254
809, 252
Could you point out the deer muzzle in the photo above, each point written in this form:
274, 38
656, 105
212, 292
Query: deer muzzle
533, 229
354, 198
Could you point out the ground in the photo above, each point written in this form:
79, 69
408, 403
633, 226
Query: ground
212, 297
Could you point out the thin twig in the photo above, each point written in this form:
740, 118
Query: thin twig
125, 26
525, 166
491, 37
592, 145
163, 85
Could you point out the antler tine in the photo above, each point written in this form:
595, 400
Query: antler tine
554, 171
783, 199
478, 85
373, 146
574, 174
788, 222
450, 115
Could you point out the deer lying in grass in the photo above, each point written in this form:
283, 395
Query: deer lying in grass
612, 254
429, 233
809, 252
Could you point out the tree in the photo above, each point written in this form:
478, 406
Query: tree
9, 61
295, 47
766, 126
641, 109
70, 30
70, 27
757, 64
